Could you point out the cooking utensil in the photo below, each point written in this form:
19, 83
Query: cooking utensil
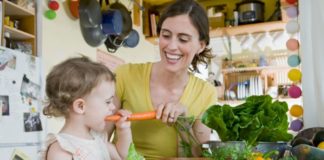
112, 22
132, 40
93, 36
90, 22
113, 42
262, 147
250, 11
90, 14
127, 19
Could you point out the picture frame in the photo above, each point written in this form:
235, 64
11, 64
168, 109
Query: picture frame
19, 155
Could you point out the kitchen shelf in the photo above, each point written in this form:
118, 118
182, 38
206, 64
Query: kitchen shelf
239, 30
12, 9
244, 69
222, 31
248, 29
18, 34
26, 29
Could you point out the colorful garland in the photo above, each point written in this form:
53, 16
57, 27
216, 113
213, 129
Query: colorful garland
295, 75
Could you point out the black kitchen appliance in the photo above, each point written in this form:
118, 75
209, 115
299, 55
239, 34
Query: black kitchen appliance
250, 11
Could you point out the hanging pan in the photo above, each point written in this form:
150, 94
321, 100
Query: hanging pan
90, 22
126, 16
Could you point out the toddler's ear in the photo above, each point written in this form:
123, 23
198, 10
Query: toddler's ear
79, 106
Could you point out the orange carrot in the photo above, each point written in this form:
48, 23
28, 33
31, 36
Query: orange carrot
134, 117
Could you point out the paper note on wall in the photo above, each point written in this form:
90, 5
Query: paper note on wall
110, 61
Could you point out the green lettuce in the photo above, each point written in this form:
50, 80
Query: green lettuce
132, 153
258, 119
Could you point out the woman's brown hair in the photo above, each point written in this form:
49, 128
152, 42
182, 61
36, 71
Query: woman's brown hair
199, 19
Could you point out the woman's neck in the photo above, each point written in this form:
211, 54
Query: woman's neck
169, 79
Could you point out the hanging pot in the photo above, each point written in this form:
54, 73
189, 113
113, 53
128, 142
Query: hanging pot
127, 19
90, 14
112, 43
90, 22
93, 35
132, 40
112, 22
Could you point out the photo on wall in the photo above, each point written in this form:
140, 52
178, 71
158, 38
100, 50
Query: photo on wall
32, 122
12, 63
4, 105
29, 88
7, 59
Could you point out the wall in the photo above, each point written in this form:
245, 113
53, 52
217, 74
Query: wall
61, 38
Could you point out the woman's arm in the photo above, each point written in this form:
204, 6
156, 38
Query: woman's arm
201, 131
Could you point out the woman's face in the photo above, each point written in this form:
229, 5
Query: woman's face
178, 43
99, 104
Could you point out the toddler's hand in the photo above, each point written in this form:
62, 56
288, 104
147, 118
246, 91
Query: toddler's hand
122, 123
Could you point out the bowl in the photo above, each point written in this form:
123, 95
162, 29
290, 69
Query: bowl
262, 147
307, 152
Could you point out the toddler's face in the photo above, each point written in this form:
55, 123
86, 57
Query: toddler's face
99, 104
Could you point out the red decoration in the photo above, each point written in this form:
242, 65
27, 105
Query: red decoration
74, 8
53, 5
291, 1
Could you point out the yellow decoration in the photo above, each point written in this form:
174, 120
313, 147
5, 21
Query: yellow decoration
33, 110
294, 75
321, 145
296, 110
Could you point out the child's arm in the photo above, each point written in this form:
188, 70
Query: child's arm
124, 137
56, 152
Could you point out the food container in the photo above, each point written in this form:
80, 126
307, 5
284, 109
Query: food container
250, 11
307, 152
262, 147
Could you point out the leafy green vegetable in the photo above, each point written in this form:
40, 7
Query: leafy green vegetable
132, 154
183, 125
258, 119
231, 151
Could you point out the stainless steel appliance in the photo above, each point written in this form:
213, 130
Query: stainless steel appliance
250, 11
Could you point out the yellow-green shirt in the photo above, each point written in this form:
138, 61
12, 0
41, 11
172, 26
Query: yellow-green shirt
154, 139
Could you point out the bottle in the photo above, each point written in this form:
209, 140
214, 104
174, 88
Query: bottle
7, 40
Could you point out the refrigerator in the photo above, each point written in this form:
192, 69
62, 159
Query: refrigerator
21, 99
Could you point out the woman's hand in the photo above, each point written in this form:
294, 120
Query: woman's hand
170, 112
122, 123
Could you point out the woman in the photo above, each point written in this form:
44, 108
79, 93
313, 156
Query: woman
169, 86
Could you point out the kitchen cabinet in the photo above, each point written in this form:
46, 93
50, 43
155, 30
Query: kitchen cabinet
153, 7
19, 25
247, 75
